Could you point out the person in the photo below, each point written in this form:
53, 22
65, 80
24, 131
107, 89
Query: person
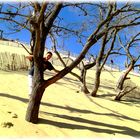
46, 65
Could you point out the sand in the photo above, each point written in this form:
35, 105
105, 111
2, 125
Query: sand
64, 112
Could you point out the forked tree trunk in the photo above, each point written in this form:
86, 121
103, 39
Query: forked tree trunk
121, 93
120, 83
41, 26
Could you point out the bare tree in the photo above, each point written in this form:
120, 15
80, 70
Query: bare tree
121, 19
133, 60
42, 26
101, 60
83, 69
42, 22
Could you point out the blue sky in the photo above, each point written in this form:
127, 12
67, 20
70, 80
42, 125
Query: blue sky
70, 16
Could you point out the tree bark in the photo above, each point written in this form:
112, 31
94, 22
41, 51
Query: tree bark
41, 29
97, 82
121, 93
83, 76
83, 80
34, 104
123, 77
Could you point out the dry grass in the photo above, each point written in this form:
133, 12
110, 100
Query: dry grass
66, 113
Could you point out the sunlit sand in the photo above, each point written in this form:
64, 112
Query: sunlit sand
67, 112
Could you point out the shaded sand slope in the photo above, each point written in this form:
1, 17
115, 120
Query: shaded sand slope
66, 112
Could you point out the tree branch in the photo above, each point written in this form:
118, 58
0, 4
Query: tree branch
18, 23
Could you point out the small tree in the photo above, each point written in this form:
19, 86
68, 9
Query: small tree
101, 60
133, 60
128, 88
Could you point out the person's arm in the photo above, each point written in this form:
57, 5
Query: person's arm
30, 57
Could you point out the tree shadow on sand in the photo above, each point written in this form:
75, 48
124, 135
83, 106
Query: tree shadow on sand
75, 110
110, 128
14, 97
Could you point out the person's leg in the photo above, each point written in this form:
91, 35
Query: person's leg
30, 81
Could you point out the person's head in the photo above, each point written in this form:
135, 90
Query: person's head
48, 55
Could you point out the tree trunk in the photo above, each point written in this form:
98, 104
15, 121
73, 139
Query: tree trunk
97, 82
83, 80
121, 93
83, 76
34, 104
123, 77
120, 83
39, 39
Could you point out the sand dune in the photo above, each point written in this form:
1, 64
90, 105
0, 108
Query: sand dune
66, 113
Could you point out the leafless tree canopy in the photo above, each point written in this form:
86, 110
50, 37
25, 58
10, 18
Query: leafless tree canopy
94, 23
